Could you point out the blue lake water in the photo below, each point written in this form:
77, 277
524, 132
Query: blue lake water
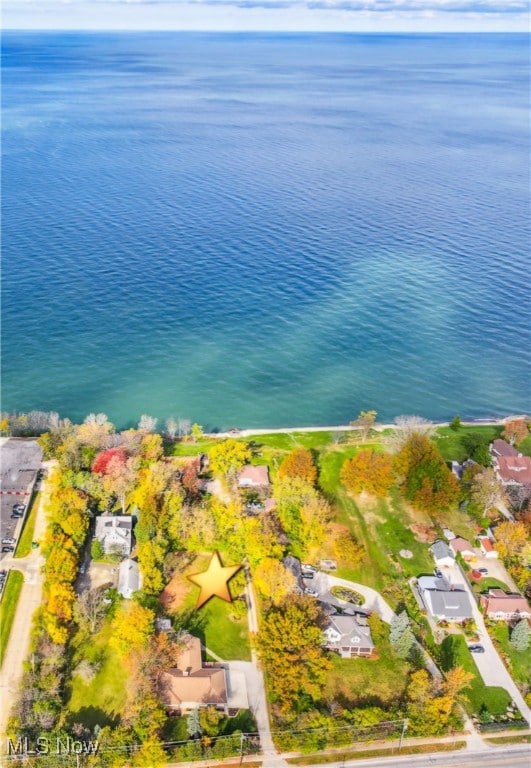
264, 230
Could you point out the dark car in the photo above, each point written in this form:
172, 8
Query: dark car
307, 574
16, 515
476, 649
8, 548
19, 507
483, 571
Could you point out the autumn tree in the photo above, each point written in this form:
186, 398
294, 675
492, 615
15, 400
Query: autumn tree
368, 471
103, 459
515, 431
299, 463
455, 681
347, 550
228, 457
119, 479
290, 645
301, 507
273, 580
260, 539
95, 430
423, 475
486, 490
511, 538
151, 448
131, 628
364, 422
407, 426
90, 608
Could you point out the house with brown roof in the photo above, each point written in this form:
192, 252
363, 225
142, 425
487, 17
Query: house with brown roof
502, 448
487, 547
510, 466
459, 544
505, 606
253, 476
191, 684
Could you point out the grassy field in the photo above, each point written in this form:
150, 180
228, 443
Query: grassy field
368, 682
449, 442
483, 585
26, 537
517, 661
226, 637
8, 606
360, 754
525, 446
100, 700
454, 652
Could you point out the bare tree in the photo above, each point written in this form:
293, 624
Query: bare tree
405, 427
147, 423
486, 490
97, 418
364, 422
184, 427
90, 608
171, 427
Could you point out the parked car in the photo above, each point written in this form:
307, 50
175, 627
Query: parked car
483, 571
16, 515
8, 548
308, 574
307, 567
8, 541
312, 592
19, 507
476, 649
83, 568
438, 573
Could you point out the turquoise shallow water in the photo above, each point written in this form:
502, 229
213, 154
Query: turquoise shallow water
265, 230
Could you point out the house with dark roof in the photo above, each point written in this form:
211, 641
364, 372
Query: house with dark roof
254, 476
442, 554
115, 533
444, 601
348, 635
505, 606
501, 447
192, 683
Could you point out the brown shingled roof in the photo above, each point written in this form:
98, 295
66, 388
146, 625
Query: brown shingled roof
516, 469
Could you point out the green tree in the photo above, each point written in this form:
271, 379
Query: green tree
209, 720
477, 448
401, 635
486, 490
96, 550
193, 724
520, 636
455, 424
196, 432
423, 475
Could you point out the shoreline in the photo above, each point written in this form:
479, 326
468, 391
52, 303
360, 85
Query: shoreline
348, 428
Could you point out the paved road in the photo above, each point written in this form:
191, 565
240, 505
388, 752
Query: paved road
489, 664
29, 600
499, 757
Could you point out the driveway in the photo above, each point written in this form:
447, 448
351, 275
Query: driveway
489, 664
496, 570
323, 582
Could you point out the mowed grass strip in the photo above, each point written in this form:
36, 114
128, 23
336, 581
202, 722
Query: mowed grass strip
454, 652
517, 662
8, 607
359, 754
26, 537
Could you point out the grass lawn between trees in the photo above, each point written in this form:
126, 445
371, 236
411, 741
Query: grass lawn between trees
26, 537
8, 607
518, 662
454, 651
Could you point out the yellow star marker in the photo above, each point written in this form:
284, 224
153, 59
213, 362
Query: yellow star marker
214, 581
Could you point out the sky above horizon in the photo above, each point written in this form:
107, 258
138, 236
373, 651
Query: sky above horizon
271, 15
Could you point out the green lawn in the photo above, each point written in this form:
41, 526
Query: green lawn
517, 662
454, 652
483, 585
228, 639
368, 682
101, 699
525, 446
449, 442
8, 606
26, 537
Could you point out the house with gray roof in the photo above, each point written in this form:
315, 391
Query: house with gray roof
115, 533
349, 636
444, 601
129, 579
442, 554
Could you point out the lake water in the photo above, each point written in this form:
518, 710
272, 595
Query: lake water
266, 230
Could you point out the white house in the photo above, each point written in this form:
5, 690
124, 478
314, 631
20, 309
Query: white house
115, 533
486, 547
459, 544
129, 579
254, 476
444, 601
349, 636
442, 554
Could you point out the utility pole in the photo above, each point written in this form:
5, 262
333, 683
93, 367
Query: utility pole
404, 729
